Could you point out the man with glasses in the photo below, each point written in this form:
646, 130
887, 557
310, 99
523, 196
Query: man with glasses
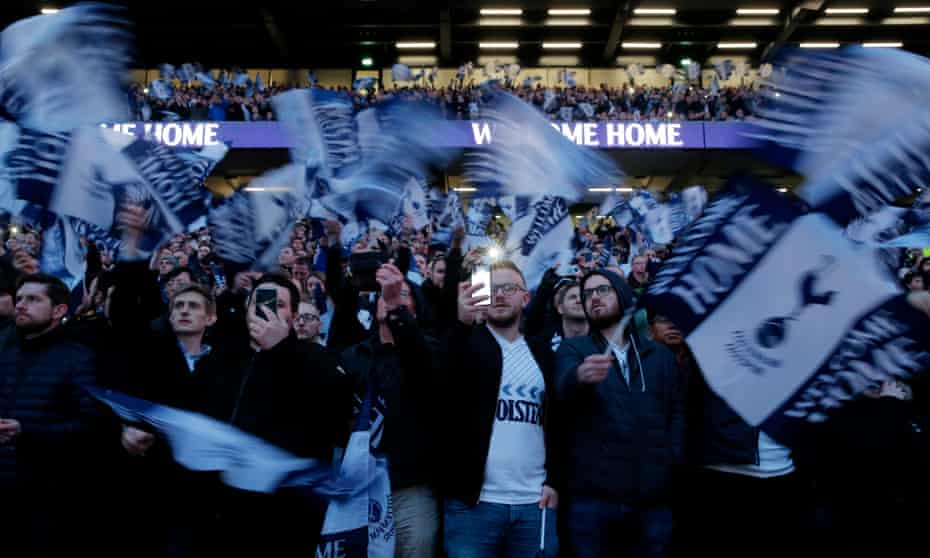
622, 398
501, 473
307, 325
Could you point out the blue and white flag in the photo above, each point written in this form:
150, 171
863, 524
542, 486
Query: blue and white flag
240, 78
401, 72
366, 83
254, 224
786, 317
618, 208
167, 72
62, 254
87, 173
723, 70
246, 462
815, 119
64, 70
259, 83
541, 239
694, 71
362, 526
206, 79
186, 73
415, 205
161, 89
529, 157
322, 127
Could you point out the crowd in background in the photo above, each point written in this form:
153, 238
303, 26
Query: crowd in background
464, 102
496, 416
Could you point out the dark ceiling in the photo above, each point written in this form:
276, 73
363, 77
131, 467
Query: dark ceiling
339, 33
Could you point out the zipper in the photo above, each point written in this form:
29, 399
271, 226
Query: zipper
245, 380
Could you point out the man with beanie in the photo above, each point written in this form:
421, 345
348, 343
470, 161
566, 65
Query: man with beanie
621, 402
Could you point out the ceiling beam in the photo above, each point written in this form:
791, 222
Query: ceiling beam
275, 33
445, 34
807, 11
616, 29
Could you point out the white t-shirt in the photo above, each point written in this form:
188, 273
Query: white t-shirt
774, 461
516, 467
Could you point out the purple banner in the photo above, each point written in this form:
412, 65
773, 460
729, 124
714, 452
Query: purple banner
603, 135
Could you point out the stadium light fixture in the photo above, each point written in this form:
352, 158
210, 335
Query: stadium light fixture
883, 45
641, 46
500, 22
846, 11
757, 11
570, 12
367, 62
561, 46
736, 46
416, 45
912, 10
906, 21
48, 11
819, 45
651, 21
568, 21
783, 190
500, 11
601, 189
839, 21
498, 45
655, 11
464, 189
751, 22
624, 189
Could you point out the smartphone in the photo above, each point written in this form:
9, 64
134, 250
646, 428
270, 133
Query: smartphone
482, 275
364, 265
266, 299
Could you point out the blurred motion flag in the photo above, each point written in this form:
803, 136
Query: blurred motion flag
855, 159
528, 156
161, 90
541, 239
786, 317
401, 72
694, 71
259, 83
186, 73
64, 70
205, 79
366, 83
723, 70
166, 71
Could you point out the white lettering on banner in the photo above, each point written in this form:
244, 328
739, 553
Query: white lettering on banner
184, 134
640, 136
573, 132
874, 352
614, 134
332, 549
655, 135
590, 135
674, 135
482, 133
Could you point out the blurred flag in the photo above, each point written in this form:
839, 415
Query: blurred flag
855, 159
366, 83
259, 83
161, 90
206, 79
64, 70
541, 239
166, 72
186, 73
786, 317
723, 70
401, 72
528, 156
694, 71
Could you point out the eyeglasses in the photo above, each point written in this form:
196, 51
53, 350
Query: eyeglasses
506, 288
310, 318
600, 290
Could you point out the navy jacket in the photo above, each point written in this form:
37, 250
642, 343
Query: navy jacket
621, 442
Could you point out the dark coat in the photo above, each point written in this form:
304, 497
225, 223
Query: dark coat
621, 441
42, 386
405, 375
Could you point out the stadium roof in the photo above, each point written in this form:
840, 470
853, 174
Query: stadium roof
448, 33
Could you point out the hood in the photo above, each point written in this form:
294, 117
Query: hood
623, 290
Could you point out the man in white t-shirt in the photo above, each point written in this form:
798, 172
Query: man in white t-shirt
499, 471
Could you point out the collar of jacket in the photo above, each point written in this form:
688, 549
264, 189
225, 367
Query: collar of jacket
42, 341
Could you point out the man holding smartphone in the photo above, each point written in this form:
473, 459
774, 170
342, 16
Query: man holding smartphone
500, 464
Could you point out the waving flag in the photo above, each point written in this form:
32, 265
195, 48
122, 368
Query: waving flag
366, 83
87, 173
64, 70
362, 526
723, 70
246, 462
855, 159
528, 156
401, 72
259, 83
541, 239
205, 79
787, 318
186, 73
161, 90
167, 72
254, 224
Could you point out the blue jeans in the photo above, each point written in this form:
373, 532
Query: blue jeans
597, 528
496, 530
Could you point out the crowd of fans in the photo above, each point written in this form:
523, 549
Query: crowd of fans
465, 102
499, 410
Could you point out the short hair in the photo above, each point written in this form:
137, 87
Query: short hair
55, 288
507, 264
174, 273
202, 290
304, 260
563, 290
280, 280
435, 260
910, 276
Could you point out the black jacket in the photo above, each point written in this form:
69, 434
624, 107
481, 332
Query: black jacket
405, 375
42, 386
716, 434
473, 370
621, 441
